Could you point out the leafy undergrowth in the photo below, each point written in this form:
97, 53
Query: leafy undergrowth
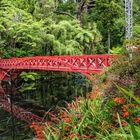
110, 112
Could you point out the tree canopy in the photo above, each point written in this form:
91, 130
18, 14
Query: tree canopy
61, 27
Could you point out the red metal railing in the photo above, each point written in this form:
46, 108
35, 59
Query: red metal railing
84, 64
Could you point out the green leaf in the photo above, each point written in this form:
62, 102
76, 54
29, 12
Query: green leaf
134, 132
87, 39
2, 28
123, 131
128, 93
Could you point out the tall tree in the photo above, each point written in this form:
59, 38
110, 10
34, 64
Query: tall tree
109, 16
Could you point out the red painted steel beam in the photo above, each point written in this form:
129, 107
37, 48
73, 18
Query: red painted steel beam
84, 64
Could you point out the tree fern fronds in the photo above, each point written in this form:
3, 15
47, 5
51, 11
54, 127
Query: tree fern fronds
73, 43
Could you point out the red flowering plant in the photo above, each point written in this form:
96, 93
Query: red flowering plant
83, 119
121, 106
125, 112
86, 119
38, 130
119, 100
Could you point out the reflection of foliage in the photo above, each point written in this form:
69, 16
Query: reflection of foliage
53, 88
28, 87
29, 76
29, 79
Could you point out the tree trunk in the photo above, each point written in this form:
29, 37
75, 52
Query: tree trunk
80, 10
108, 42
93, 44
91, 48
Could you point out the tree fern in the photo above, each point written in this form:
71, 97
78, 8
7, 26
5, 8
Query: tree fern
23, 31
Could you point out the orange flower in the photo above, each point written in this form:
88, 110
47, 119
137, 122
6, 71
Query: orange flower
69, 105
53, 119
124, 124
136, 120
67, 128
116, 120
38, 129
67, 120
64, 115
124, 107
119, 100
125, 114
86, 137
131, 105
111, 125
73, 135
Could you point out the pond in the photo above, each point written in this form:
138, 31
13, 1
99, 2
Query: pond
20, 130
45, 95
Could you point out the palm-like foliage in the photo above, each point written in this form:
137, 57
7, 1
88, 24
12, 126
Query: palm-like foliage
24, 34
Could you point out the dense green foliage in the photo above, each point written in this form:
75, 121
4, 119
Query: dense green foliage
60, 27
27, 30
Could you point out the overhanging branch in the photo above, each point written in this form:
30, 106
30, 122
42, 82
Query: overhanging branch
65, 13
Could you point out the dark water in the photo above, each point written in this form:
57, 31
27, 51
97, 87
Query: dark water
20, 130
48, 93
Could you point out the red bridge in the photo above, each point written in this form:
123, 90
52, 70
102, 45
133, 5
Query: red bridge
10, 68
85, 64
